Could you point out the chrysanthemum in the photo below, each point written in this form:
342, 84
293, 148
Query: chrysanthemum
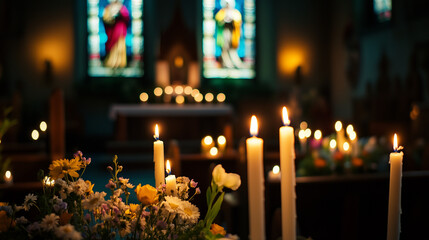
190, 212
68, 232
29, 200
59, 168
93, 200
49, 222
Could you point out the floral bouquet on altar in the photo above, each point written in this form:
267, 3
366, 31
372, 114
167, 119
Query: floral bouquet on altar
69, 209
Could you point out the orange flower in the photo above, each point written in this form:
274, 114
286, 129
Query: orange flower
319, 163
65, 218
146, 194
5, 221
216, 229
357, 162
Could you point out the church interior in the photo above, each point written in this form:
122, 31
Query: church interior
98, 76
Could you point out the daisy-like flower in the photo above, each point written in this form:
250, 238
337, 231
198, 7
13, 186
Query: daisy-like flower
68, 232
173, 204
93, 200
79, 187
190, 212
49, 222
61, 167
125, 182
29, 201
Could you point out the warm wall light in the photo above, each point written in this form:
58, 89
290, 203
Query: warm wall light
290, 58
178, 61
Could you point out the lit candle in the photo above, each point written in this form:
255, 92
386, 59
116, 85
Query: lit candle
287, 164
158, 158
354, 144
8, 178
255, 176
340, 135
206, 144
274, 175
170, 180
221, 142
332, 145
48, 182
394, 217
302, 140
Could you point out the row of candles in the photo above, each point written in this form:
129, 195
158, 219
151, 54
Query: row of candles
254, 152
180, 92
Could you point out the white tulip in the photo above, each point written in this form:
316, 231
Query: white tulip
233, 181
219, 175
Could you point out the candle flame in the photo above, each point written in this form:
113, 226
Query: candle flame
254, 126
168, 167
208, 140
156, 132
395, 142
333, 143
213, 151
286, 120
338, 126
317, 134
276, 169
346, 146
8, 174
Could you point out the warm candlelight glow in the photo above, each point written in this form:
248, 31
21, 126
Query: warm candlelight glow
168, 90
338, 126
157, 91
180, 99
253, 126
318, 134
395, 142
221, 97
307, 132
209, 97
301, 134
47, 181
199, 97
332, 143
178, 90
43, 126
286, 120
195, 92
156, 132
346, 146
144, 97
35, 134
276, 169
303, 125
188, 90
208, 140
221, 140
168, 167
352, 135
349, 129
213, 151
8, 174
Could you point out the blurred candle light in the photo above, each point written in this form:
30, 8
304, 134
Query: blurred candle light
188, 90
214, 151
349, 129
332, 145
302, 140
168, 90
307, 132
199, 98
340, 135
180, 99
209, 97
221, 97
195, 92
303, 125
274, 174
157, 91
206, 144
178, 89
144, 97
221, 142
318, 135
35, 134
346, 147
43, 126
8, 178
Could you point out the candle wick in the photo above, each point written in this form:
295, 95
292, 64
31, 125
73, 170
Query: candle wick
156, 137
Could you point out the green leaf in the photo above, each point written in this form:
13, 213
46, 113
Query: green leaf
208, 196
215, 210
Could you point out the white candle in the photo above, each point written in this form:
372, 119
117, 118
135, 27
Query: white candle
287, 166
221, 142
340, 135
158, 158
274, 175
206, 144
255, 176
170, 181
394, 217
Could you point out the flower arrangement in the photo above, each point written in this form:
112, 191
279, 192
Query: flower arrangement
68, 208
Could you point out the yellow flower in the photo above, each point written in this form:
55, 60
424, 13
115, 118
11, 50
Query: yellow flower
216, 229
5, 221
59, 168
146, 194
90, 186
134, 207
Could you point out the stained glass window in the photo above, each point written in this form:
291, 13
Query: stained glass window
115, 38
229, 39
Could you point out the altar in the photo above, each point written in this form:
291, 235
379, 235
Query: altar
135, 121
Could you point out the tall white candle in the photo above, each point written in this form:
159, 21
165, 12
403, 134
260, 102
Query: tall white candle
255, 176
394, 217
158, 158
287, 166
